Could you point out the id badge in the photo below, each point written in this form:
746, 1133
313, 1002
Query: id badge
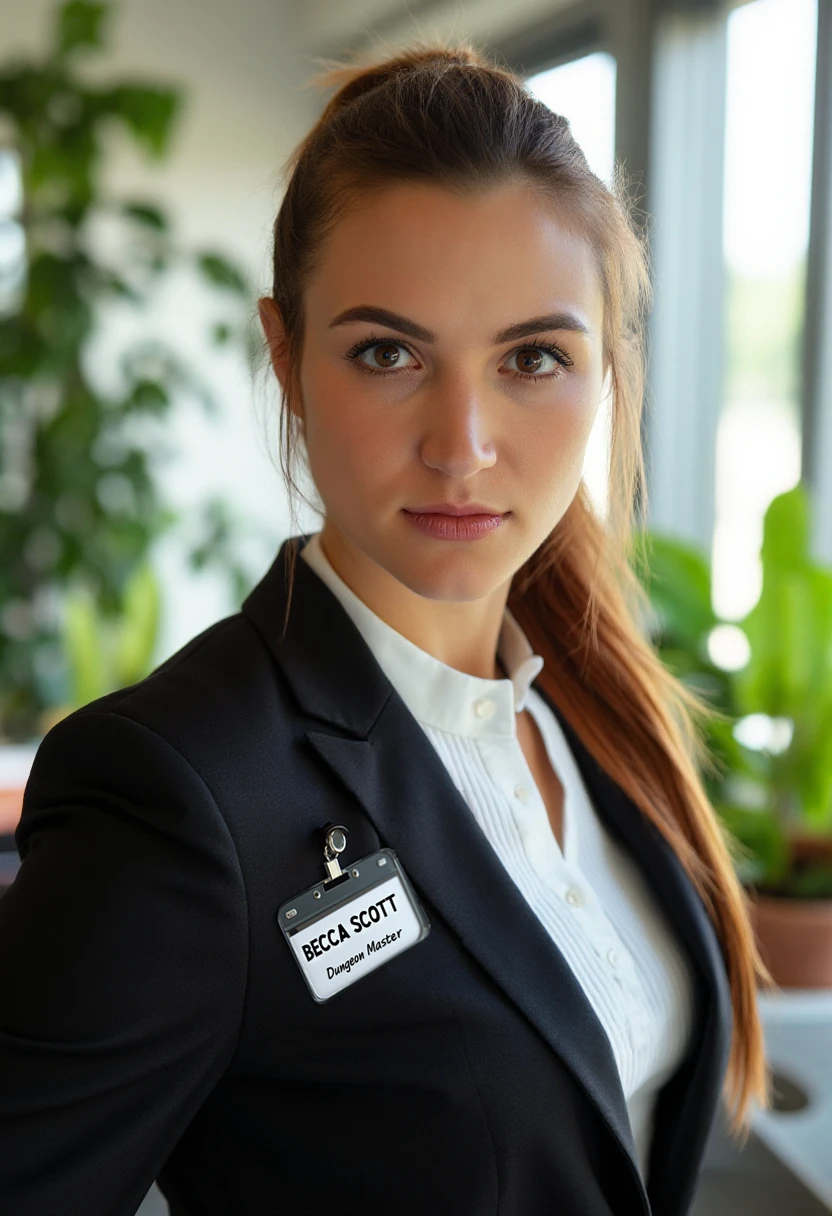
352, 922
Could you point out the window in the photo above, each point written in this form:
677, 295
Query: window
768, 156
584, 92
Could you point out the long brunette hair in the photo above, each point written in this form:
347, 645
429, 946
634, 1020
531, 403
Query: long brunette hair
444, 113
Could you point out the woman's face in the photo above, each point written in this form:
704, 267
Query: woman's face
438, 408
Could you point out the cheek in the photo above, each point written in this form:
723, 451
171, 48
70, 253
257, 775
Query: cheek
552, 450
346, 444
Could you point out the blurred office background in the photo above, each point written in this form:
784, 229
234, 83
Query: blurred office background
711, 107
721, 113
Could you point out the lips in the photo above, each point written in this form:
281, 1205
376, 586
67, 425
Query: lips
448, 508
464, 525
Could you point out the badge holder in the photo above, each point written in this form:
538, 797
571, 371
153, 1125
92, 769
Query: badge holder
352, 922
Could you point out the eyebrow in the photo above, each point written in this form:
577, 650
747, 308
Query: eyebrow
520, 329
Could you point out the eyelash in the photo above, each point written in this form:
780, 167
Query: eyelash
549, 347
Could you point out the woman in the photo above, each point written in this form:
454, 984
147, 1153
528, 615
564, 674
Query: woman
547, 1018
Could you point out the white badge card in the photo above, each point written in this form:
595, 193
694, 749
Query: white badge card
341, 930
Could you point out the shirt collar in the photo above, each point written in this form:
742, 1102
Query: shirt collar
438, 695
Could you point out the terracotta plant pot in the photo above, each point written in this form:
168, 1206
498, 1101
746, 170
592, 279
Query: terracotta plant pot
15, 765
794, 936
11, 801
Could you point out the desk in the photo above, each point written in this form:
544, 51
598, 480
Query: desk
798, 1034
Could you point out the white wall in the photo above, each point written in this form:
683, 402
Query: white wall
326, 24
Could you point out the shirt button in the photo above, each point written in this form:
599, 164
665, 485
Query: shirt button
612, 957
521, 792
575, 896
484, 708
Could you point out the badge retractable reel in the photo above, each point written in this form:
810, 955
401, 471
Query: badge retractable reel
354, 920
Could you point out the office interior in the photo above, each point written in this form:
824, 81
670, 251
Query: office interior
720, 111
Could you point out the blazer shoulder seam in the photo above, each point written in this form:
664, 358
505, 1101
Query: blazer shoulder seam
170, 663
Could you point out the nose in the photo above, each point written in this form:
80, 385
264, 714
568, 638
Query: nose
456, 436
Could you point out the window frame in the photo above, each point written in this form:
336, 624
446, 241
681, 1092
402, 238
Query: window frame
816, 352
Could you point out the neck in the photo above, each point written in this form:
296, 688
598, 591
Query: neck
462, 635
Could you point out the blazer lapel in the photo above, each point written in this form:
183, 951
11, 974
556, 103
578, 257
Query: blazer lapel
371, 741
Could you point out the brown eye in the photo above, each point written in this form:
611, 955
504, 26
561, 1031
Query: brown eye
529, 359
384, 354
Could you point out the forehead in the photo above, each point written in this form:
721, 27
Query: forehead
446, 258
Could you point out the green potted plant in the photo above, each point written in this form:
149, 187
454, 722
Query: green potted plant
103, 652
772, 742
80, 505
109, 652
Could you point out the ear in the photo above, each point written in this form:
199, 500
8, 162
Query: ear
272, 323
276, 338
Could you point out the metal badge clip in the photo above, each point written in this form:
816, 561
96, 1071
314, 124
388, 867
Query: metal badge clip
335, 841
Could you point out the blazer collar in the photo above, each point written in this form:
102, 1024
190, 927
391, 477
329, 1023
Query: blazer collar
371, 741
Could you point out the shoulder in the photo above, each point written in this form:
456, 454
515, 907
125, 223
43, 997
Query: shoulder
217, 707
129, 866
184, 734
227, 657
204, 692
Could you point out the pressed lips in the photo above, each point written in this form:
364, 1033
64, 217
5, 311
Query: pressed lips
448, 508
445, 521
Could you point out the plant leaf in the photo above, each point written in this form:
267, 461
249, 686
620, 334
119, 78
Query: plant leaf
139, 626
81, 25
148, 215
786, 529
679, 585
84, 645
148, 113
812, 883
220, 272
760, 833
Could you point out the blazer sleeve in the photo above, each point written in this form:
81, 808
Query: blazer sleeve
123, 967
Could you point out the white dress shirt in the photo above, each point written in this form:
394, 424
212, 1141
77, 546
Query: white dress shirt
590, 897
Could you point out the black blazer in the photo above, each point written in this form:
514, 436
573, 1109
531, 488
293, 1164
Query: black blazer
154, 1024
